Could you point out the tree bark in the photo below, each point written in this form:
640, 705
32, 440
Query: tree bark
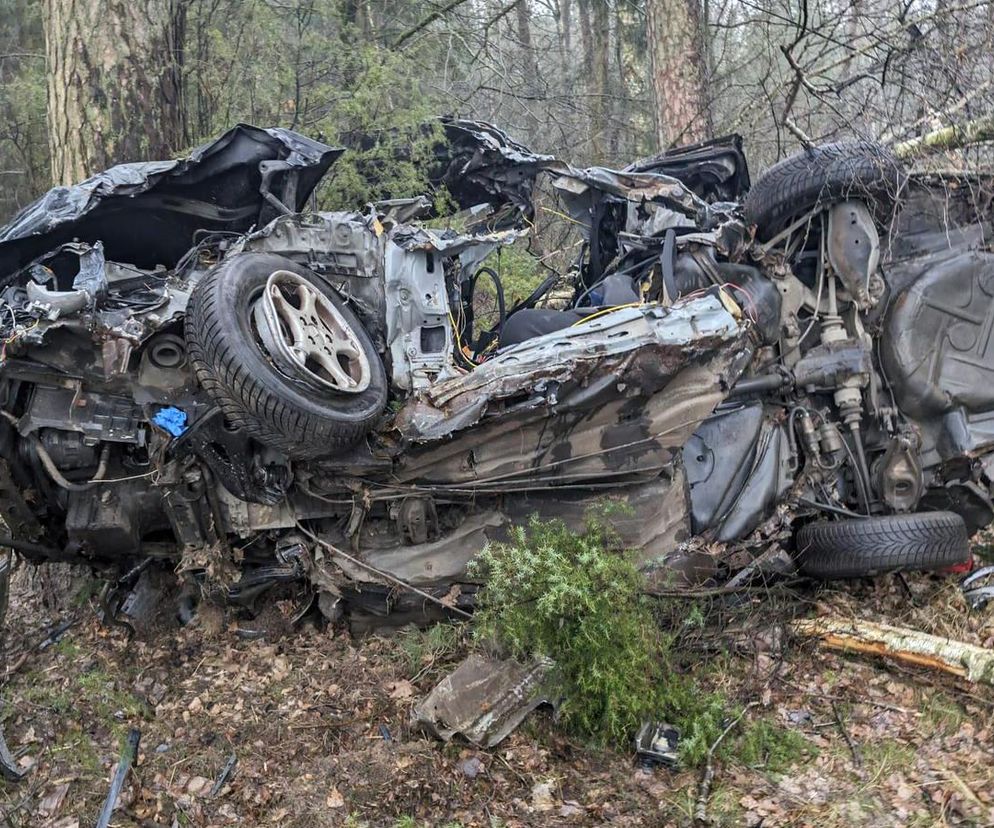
566, 18
678, 70
901, 644
948, 138
601, 36
586, 37
114, 82
530, 63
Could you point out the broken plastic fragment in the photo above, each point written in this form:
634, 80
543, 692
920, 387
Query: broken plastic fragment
171, 419
657, 743
485, 700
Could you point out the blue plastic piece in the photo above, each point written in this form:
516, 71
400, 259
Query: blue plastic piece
171, 419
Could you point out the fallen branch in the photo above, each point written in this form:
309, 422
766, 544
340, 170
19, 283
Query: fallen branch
52, 638
704, 791
904, 645
857, 760
948, 138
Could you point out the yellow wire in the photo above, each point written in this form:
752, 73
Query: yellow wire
605, 311
563, 216
455, 333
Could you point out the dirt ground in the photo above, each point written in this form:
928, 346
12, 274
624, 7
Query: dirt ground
320, 726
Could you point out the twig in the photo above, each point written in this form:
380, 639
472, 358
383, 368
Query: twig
425, 22
691, 594
967, 791
52, 637
857, 760
704, 791
894, 708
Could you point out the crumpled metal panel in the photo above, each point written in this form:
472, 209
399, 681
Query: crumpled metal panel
418, 317
484, 700
582, 190
716, 170
216, 187
449, 242
593, 421
485, 166
609, 347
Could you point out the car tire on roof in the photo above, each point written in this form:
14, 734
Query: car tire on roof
859, 547
279, 403
823, 175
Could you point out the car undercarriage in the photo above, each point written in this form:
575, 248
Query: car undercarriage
201, 374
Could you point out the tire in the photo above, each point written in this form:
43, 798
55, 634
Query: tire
822, 175
236, 371
855, 548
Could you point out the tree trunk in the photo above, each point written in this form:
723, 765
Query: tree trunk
602, 79
114, 82
566, 17
586, 37
678, 71
530, 63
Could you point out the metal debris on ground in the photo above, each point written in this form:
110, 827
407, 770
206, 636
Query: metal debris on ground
978, 587
224, 775
8, 764
129, 755
656, 744
485, 700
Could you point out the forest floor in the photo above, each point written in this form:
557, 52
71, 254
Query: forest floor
320, 725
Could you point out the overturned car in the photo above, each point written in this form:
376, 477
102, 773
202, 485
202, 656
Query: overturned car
200, 374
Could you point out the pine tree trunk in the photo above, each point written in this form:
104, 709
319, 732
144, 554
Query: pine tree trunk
678, 71
114, 83
586, 37
530, 63
602, 79
566, 17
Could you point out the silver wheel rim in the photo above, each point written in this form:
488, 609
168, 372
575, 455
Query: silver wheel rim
307, 336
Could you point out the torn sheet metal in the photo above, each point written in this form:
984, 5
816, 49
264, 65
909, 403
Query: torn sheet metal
715, 170
483, 165
449, 242
484, 700
218, 187
584, 192
532, 373
631, 186
978, 587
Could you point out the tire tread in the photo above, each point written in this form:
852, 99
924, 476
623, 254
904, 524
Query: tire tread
830, 172
246, 403
858, 547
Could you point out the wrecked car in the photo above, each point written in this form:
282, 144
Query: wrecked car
200, 373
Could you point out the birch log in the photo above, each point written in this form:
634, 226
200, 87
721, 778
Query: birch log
948, 138
905, 645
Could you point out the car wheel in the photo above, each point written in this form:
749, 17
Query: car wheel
854, 548
821, 175
283, 356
